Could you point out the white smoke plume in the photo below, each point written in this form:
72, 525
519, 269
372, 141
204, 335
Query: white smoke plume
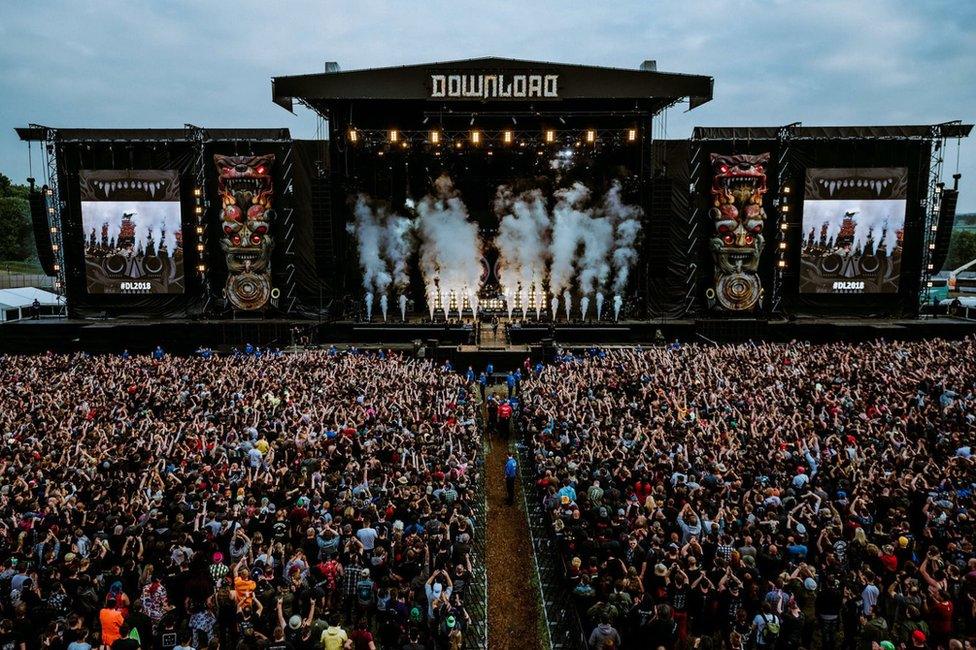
449, 245
568, 231
626, 221
523, 242
385, 243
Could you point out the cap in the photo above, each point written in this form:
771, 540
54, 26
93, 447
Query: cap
903, 541
810, 584
451, 622
295, 622
918, 636
415, 614
887, 645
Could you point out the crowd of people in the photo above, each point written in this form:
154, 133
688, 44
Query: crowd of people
762, 495
315, 500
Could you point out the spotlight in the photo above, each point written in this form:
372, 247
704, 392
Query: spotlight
782, 245
784, 226
786, 208
435, 137
54, 229
199, 230
54, 247
550, 135
57, 267
931, 267
458, 144
51, 210
507, 137
591, 136
394, 135
198, 209
353, 135
932, 246
201, 268
786, 189
50, 192
200, 247
782, 264
404, 144
631, 135
934, 227
929, 284
476, 137
196, 191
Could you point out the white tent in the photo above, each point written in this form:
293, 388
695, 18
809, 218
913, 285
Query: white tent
16, 303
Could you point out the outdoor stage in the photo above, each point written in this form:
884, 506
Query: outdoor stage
185, 336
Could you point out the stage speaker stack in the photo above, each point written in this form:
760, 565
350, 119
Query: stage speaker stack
947, 218
42, 230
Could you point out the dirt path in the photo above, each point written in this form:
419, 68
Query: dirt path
513, 611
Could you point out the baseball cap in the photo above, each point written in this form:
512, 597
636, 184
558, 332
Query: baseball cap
295, 622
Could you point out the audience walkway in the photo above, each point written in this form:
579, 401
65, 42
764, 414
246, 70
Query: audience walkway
513, 611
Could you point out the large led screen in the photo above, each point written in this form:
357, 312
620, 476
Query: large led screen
133, 232
853, 223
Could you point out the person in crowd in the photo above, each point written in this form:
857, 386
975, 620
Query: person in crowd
762, 495
293, 502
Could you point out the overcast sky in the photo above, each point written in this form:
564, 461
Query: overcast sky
132, 63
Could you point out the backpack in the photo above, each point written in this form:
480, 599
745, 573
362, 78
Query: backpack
770, 631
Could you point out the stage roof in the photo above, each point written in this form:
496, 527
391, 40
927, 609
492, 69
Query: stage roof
651, 89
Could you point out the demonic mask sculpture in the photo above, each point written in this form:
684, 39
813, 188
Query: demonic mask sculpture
244, 183
738, 186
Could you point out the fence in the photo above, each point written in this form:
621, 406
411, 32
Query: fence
476, 637
563, 626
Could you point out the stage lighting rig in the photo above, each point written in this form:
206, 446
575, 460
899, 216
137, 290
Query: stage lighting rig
631, 135
550, 136
435, 137
353, 136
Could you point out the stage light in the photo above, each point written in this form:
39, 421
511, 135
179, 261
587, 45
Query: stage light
782, 245
932, 246
782, 264
54, 247
784, 226
786, 189
198, 209
197, 192
202, 268
476, 137
929, 284
200, 247
394, 135
54, 229
50, 210
934, 227
57, 267
458, 144
379, 153
550, 135
435, 137
591, 136
199, 230
353, 135
49, 191
404, 144
931, 267
507, 137
785, 208
631, 135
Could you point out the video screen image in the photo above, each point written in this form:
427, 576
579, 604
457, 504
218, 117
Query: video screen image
133, 232
853, 225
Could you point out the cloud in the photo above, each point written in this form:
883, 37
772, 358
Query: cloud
116, 63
